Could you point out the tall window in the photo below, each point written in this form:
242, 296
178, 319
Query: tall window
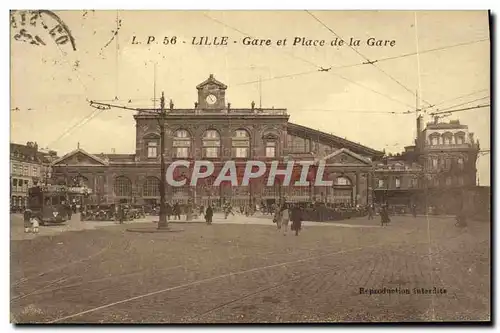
460, 138
152, 149
151, 187
182, 143
211, 144
122, 187
434, 163
35, 171
460, 162
435, 140
25, 170
448, 181
447, 163
241, 144
398, 182
460, 180
447, 138
414, 182
380, 183
271, 149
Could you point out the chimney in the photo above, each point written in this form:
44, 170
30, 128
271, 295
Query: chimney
195, 105
171, 105
113, 150
253, 105
228, 106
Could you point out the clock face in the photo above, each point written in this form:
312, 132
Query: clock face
211, 99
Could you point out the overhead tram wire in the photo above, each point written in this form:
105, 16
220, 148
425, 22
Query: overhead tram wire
463, 103
452, 106
460, 110
411, 54
248, 35
455, 98
368, 61
97, 112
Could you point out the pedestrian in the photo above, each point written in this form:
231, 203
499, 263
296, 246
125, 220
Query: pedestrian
27, 220
277, 218
177, 211
414, 210
384, 215
121, 213
370, 211
296, 218
209, 214
202, 211
285, 218
169, 210
35, 224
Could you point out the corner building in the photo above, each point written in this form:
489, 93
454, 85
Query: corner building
214, 130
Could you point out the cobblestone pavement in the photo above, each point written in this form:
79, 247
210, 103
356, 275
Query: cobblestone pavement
250, 273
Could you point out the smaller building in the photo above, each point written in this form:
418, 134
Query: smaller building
28, 167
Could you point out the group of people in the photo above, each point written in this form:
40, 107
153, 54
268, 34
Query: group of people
31, 223
286, 213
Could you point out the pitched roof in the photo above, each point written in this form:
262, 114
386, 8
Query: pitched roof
348, 152
352, 146
211, 80
79, 150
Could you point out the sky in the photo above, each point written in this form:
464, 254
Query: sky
51, 84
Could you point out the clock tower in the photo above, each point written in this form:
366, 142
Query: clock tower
211, 94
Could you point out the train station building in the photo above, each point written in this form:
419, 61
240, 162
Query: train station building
216, 131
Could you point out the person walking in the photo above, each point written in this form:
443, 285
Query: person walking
370, 211
121, 213
27, 220
296, 218
177, 211
384, 215
414, 210
285, 217
209, 214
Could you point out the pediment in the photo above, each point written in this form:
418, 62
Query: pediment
345, 157
211, 81
79, 157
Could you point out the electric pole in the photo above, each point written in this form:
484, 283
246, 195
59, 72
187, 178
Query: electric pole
161, 118
162, 224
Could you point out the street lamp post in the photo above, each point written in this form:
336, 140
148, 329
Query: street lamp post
161, 118
162, 223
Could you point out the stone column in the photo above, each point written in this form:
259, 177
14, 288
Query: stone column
356, 192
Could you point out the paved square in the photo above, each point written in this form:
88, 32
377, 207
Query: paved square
247, 272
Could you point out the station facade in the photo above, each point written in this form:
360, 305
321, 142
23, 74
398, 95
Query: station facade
213, 130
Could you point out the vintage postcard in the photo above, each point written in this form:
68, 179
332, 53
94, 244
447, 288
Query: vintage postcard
250, 166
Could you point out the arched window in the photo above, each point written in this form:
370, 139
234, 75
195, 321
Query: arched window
271, 144
182, 143
342, 181
460, 138
122, 187
434, 139
211, 144
241, 144
151, 187
447, 138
